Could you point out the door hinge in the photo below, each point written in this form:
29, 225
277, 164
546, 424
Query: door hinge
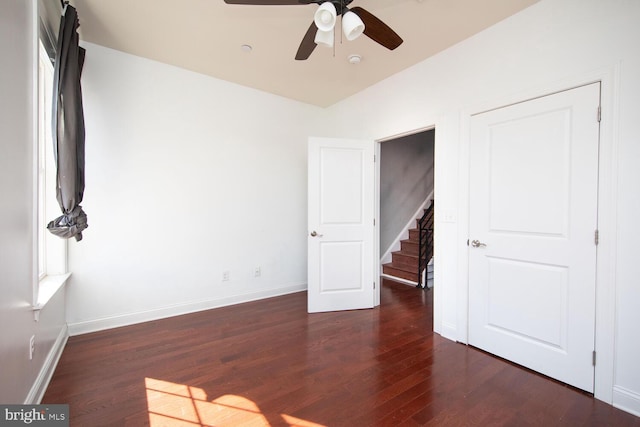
593, 358
599, 114
374, 156
467, 242
597, 237
374, 284
374, 222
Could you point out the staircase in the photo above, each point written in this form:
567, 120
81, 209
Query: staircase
406, 263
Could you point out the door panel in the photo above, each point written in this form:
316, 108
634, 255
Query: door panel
510, 309
341, 178
518, 148
533, 211
341, 233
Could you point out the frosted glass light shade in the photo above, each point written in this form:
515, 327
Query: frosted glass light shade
352, 25
324, 38
325, 16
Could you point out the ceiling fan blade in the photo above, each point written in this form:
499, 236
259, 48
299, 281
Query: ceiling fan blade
377, 30
307, 45
270, 2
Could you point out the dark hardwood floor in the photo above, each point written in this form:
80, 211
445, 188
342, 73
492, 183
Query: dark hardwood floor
270, 363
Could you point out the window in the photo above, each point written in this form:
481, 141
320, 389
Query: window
52, 251
45, 82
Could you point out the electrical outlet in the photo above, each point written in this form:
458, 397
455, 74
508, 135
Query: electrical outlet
257, 272
225, 276
32, 346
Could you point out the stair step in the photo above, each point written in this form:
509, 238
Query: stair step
402, 271
409, 247
402, 258
414, 235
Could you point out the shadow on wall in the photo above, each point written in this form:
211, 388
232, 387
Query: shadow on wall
406, 180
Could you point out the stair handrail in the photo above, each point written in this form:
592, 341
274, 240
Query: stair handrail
425, 242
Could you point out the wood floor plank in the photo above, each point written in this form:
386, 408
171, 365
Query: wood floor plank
270, 363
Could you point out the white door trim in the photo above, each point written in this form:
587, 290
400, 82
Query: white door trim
376, 248
607, 214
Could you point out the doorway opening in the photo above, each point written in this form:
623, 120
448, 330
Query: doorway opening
406, 192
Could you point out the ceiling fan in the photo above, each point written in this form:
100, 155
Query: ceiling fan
355, 21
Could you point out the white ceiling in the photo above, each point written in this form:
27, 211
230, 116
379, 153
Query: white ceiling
205, 36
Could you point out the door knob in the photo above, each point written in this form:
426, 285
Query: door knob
314, 234
477, 244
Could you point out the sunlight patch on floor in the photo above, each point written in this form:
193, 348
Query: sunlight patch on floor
297, 422
178, 405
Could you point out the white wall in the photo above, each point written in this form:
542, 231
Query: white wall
552, 45
186, 177
406, 180
21, 380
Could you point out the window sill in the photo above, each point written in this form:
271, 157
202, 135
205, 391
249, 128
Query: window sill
47, 288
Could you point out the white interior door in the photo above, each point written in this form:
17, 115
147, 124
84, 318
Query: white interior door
341, 231
533, 219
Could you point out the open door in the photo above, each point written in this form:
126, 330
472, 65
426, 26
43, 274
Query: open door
341, 268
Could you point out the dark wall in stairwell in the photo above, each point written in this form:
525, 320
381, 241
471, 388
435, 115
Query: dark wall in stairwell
406, 179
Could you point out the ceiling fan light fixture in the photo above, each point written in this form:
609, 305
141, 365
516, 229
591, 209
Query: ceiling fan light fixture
325, 16
324, 38
352, 26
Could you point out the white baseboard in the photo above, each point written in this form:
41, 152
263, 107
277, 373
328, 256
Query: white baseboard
626, 400
399, 280
449, 331
86, 327
48, 368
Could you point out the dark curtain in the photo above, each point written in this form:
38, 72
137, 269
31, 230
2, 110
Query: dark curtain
68, 129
